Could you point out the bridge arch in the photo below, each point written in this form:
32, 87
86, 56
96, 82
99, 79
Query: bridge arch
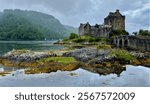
126, 42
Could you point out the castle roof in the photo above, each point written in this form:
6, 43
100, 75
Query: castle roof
85, 25
115, 14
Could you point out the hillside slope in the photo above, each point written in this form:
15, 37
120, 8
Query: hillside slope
30, 25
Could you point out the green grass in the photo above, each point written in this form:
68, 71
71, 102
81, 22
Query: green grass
66, 40
65, 60
86, 38
104, 46
123, 55
89, 39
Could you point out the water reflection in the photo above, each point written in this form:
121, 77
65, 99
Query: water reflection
133, 76
104, 71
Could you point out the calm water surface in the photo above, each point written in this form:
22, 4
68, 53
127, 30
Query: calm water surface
6, 46
134, 76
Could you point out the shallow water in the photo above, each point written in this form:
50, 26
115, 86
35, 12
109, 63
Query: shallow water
133, 77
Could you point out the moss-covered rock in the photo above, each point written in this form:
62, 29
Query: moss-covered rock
52, 67
104, 46
136, 62
123, 56
64, 60
44, 65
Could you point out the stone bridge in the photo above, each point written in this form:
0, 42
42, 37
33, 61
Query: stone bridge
133, 42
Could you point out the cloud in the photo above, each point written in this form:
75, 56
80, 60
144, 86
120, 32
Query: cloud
140, 17
73, 12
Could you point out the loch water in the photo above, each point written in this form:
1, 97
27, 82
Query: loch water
6, 46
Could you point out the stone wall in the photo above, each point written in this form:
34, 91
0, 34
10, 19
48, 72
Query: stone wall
116, 20
133, 42
85, 29
94, 31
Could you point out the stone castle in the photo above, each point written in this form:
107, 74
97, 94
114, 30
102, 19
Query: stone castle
114, 21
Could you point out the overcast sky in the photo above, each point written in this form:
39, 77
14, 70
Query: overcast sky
74, 12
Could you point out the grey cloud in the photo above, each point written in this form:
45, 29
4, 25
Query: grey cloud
72, 12
140, 17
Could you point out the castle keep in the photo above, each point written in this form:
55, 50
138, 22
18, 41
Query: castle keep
114, 21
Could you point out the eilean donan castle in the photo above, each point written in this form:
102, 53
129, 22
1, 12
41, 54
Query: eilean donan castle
114, 21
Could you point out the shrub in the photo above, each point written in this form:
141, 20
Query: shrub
91, 40
144, 32
118, 33
78, 40
66, 39
101, 40
83, 39
73, 36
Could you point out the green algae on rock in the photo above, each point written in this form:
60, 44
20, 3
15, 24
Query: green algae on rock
52, 67
65, 60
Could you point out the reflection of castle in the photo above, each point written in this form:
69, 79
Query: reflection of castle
114, 21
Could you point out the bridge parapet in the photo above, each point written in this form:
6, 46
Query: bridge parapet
134, 42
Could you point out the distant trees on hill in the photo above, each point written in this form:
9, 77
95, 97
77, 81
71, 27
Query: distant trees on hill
30, 25
142, 32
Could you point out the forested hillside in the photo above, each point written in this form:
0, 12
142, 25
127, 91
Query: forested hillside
30, 25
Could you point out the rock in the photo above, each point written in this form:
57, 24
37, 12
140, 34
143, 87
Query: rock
26, 55
49, 67
138, 54
87, 54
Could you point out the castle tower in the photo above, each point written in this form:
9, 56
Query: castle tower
116, 20
85, 29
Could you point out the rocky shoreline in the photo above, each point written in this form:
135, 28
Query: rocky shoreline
36, 62
100, 59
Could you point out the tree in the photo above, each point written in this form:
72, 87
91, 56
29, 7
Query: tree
135, 33
118, 33
73, 36
24, 25
144, 32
